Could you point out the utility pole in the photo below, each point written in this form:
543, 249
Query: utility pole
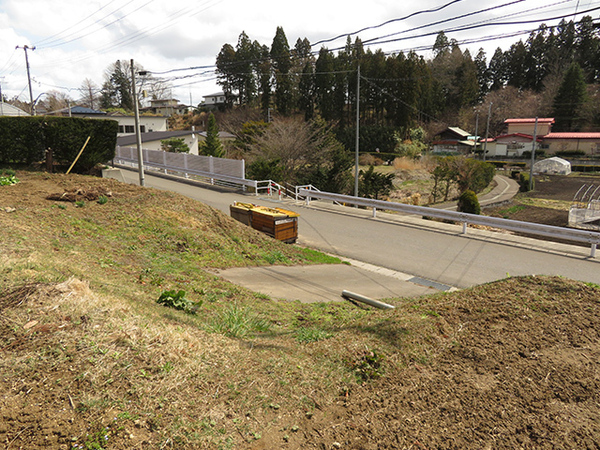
476, 131
357, 132
25, 48
137, 127
1, 99
533, 154
487, 131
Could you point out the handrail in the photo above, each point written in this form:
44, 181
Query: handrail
585, 236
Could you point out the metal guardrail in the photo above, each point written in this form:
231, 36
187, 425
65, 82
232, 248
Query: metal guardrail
588, 237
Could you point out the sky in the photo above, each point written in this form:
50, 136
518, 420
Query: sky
178, 40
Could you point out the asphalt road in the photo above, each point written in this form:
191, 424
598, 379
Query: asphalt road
410, 245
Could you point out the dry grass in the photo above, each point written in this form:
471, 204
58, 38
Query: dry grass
91, 361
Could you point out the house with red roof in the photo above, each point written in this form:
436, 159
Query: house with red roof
519, 138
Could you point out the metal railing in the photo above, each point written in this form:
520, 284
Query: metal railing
588, 237
216, 171
282, 190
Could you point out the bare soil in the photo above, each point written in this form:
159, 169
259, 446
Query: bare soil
548, 187
516, 365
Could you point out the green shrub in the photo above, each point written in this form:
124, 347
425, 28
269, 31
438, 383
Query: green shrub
524, 182
570, 153
174, 145
176, 300
469, 203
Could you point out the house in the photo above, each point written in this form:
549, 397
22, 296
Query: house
512, 145
551, 143
148, 123
589, 143
7, 109
453, 140
165, 107
526, 126
152, 140
214, 100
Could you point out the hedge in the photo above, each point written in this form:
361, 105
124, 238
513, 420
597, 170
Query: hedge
24, 140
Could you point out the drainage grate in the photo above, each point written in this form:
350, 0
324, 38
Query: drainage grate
429, 283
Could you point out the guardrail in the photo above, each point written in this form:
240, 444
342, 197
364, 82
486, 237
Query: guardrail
588, 237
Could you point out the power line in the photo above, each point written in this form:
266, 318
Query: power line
323, 41
56, 36
462, 16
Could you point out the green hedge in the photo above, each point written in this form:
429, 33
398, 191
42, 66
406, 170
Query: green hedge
24, 140
500, 164
585, 168
524, 182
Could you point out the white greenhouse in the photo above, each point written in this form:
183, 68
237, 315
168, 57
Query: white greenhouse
554, 165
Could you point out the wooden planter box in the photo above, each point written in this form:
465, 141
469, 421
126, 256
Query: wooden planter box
278, 223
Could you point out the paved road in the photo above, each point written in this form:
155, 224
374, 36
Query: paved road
408, 244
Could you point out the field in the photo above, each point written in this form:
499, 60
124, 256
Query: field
548, 203
90, 360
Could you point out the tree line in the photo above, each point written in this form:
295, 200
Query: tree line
403, 90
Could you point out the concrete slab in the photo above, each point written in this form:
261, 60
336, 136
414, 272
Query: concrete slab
324, 283
113, 173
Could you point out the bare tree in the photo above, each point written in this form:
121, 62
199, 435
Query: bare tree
301, 149
54, 101
90, 94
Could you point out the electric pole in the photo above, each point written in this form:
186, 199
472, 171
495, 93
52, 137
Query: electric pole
138, 137
25, 48
1, 99
357, 132
487, 131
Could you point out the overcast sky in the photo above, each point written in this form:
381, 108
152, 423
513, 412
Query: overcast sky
77, 39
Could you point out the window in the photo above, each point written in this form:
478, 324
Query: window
129, 129
121, 129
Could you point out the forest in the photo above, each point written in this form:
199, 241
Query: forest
553, 73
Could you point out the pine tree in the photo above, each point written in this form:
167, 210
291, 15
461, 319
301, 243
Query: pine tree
570, 99
280, 55
246, 58
226, 78
212, 145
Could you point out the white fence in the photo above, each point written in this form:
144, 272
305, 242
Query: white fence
227, 172
589, 237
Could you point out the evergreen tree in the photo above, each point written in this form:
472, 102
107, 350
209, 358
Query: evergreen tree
324, 82
587, 46
265, 82
466, 82
570, 99
226, 77
497, 70
212, 145
306, 87
537, 64
483, 74
441, 48
280, 56
116, 90
516, 65
246, 58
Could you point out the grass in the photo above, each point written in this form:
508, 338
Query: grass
102, 348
